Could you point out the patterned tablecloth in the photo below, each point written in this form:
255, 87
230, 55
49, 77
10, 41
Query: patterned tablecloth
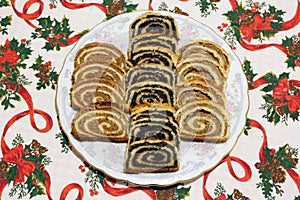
36, 160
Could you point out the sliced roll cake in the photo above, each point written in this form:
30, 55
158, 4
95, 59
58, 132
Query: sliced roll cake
96, 51
207, 50
150, 72
153, 121
206, 70
98, 69
151, 22
152, 39
153, 54
88, 92
203, 120
151, 156
103, 122
149, 92
193, 90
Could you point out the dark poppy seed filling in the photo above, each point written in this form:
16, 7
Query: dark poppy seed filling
148, 93
153, 23
150, 72
151, 156
153, 55
152, 39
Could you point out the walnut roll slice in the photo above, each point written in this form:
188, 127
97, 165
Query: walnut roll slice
203, 120
88, 92
103, 122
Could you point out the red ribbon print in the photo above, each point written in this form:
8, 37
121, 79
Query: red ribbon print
228, 159
116, 192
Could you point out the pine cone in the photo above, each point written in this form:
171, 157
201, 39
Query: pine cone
3, 49
294, 50
278, 176
35, 144
246, 22
43, 149
53, 42
165, 194
280, 110
179, 11
237, 194
256, 34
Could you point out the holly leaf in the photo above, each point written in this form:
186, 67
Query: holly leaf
232, 16
39, 176
37, 190
291, 61
297, 198
48, 46
287, 42
38, 61
181, 193
268, 98
283, 75
295, 116
130, 7
268, 88
107, 2
276, 26
4, 3
270, 77
12, 173
282, 158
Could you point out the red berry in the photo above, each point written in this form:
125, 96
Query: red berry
23, 40
298, 62
219, 27
96, 193
299, 35
224, 25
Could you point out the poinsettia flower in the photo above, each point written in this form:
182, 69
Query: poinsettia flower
259, 23
25, 168
293, 103
282, 89
9, 56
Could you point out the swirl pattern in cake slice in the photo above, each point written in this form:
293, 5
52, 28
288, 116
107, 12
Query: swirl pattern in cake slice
88, 92
151, 22
96, 51
149, 93
203, 120
100, 69
150, 72
198, 89
153, 121
151, 156
103, 122
208, 50
207, 70
152, 39
153, 54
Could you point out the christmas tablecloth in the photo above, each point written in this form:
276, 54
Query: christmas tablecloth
36, 161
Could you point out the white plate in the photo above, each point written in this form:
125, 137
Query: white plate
195, 157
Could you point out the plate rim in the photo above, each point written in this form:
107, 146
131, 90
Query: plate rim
108, 172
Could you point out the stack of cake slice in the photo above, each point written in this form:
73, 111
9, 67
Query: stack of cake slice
201, 76
153, 143
97, 93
